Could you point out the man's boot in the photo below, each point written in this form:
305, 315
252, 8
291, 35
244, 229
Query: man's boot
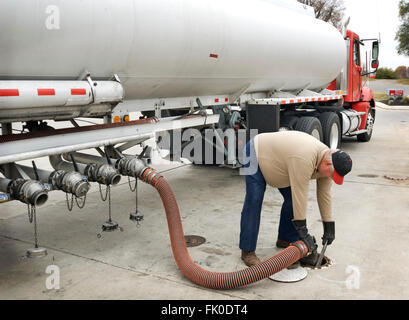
282, 244
250, 258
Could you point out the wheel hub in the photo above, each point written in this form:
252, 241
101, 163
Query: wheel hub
334, 137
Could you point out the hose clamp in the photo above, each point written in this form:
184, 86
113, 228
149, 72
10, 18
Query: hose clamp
301, 246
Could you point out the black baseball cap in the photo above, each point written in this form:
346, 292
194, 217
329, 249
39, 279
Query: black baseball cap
342, 163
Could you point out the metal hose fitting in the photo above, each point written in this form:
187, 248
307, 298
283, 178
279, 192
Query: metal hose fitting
28, 191
70, 182
103, 174
131, 166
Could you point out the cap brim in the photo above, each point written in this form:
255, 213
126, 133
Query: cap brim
339, 180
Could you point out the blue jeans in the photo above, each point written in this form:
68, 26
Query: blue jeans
251, 213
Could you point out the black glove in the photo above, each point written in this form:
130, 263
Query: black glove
329, 232
301, 227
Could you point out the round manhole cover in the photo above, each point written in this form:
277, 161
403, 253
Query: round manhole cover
290, 275
194, 241
372, 176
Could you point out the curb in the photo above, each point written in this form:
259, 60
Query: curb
387, 107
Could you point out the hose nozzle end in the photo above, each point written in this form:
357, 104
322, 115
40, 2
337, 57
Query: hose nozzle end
302, 247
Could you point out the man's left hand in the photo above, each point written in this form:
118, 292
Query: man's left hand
329, 232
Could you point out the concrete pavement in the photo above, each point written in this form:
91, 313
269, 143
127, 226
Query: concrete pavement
368, 258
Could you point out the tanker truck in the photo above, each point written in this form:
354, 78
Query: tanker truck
174, 65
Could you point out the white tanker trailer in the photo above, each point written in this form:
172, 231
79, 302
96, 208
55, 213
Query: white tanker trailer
267, 65
167, 54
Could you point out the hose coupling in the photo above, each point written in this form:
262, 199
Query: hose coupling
103, 174
149, 174
70, 182
131, 166
28, 191
301, 246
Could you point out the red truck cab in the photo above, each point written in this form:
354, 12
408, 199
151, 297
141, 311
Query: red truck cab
358, 97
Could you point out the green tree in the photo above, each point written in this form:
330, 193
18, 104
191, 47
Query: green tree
331, 11
403, 32
386, 73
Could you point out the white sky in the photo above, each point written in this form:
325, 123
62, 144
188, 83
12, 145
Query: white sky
368, 18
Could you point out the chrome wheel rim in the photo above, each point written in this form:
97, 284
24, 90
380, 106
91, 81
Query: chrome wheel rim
316, 134
334, 137
370, 123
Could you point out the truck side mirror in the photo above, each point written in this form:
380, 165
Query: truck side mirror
375, 50
375, 64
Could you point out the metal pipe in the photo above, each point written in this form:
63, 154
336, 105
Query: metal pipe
127, 166
27, 191
44, 175
58, 163
31, 148
85, 158
96, 172
70, 182
4, 184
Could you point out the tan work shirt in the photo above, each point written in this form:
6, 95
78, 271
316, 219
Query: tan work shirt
291, 159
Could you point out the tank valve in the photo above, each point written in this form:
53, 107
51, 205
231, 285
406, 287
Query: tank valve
70, 182
28, 191
131, 166
103, 174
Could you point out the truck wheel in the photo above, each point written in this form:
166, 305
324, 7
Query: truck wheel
366, 137
331, 128
289, 122
310, 125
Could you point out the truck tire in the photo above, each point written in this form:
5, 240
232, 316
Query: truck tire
310, 125
289, 122
366, 137
331, 129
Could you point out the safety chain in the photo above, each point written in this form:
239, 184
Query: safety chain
32, 217
106, 197
69, 206
30, 211
108, 190
79, 201
130, 186
109, 202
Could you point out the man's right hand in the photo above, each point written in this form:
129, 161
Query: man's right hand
301, 227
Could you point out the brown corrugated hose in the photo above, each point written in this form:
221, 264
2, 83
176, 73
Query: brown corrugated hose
205, 278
